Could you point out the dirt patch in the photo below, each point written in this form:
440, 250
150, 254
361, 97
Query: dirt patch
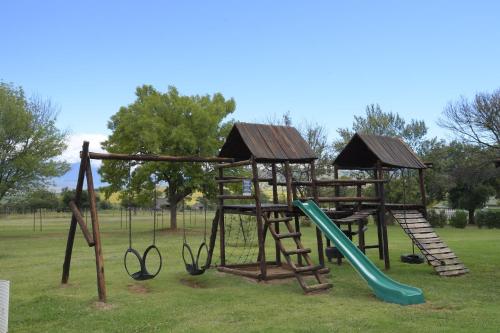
103, 306
193, 283
429, 306
138, 288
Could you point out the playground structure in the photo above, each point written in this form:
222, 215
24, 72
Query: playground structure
256, 156
381, 155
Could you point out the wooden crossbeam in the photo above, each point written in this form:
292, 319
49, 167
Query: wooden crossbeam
81, 222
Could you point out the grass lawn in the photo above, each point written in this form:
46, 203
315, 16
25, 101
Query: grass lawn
215, 302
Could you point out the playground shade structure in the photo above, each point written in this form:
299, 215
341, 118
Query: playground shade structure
384, 287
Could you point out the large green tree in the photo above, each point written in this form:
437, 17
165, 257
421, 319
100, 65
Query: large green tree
29, 142
167, 124
465, 173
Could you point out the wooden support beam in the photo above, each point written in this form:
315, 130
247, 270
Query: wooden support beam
81, 222
319, 235
222, 235
235, 197
422, 191
154, 158
382, 212
234, 164
213, 236
99, 260
274, 180
260, 223
72, 226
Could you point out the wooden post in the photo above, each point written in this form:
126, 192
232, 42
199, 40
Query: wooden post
222, 234
319, 235
385, 239
422, 190
297, 221
260, 226
213, 236
72, 227
99, 260
378, 220
276, 201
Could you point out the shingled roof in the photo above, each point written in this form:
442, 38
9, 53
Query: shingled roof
266, 143
364, 150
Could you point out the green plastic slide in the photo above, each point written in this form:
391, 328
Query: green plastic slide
384, 287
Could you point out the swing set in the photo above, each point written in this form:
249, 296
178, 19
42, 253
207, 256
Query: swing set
93, 238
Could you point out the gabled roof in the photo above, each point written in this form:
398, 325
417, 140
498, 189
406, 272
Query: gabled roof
266, 143
364, 150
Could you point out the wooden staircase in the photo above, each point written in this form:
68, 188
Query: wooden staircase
300, 271
437, 253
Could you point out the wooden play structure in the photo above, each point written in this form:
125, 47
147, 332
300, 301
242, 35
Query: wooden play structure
268, 158
275, 149
380, 155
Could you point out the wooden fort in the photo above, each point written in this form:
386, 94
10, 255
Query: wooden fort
380, 155
275, 151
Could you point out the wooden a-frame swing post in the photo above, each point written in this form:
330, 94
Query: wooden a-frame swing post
85, 171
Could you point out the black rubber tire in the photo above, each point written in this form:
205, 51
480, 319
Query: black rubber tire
412, 258
144, 257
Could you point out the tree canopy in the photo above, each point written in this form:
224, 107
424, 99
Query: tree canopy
167, 124
476, 121
29, 142
377, 122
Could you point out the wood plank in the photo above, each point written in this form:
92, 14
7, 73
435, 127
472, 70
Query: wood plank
451, 261
454, 273
444, 268
408, 216
416, 225
436, 251
426, 235
434, 240
418, 230
411, 221
440, 256
430, 246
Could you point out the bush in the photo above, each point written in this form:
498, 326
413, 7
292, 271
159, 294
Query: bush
488, 218
437, 218
305, 222
459, 219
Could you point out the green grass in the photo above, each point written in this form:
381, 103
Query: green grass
215, 302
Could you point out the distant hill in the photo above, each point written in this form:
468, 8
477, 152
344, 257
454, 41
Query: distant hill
69, 178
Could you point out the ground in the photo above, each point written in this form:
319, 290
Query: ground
215, 302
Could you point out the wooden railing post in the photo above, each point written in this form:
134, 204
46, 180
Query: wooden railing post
319, 235
260, 223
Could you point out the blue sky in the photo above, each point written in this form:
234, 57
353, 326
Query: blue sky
322, 61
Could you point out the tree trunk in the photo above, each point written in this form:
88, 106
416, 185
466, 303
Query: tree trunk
472, 219
173, 216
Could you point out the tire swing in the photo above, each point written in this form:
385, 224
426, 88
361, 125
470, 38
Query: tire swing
191, 262
413, 258
142, 274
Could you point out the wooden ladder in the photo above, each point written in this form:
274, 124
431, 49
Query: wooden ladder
300, 271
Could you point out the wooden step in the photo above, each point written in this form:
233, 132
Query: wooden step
311, 268
318, 287
288, 235
454, 273
297, 251
279, 219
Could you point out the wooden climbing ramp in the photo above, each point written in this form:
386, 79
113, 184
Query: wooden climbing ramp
423, 235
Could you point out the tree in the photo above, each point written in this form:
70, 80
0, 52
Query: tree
42, 198
29, 142
167, 124
466, 173
375, 121
476, 121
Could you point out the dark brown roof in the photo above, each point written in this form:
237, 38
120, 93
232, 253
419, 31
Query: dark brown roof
269, 143
364, 150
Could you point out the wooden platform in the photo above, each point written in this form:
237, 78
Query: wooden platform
274, 271
250, 208
423, 235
